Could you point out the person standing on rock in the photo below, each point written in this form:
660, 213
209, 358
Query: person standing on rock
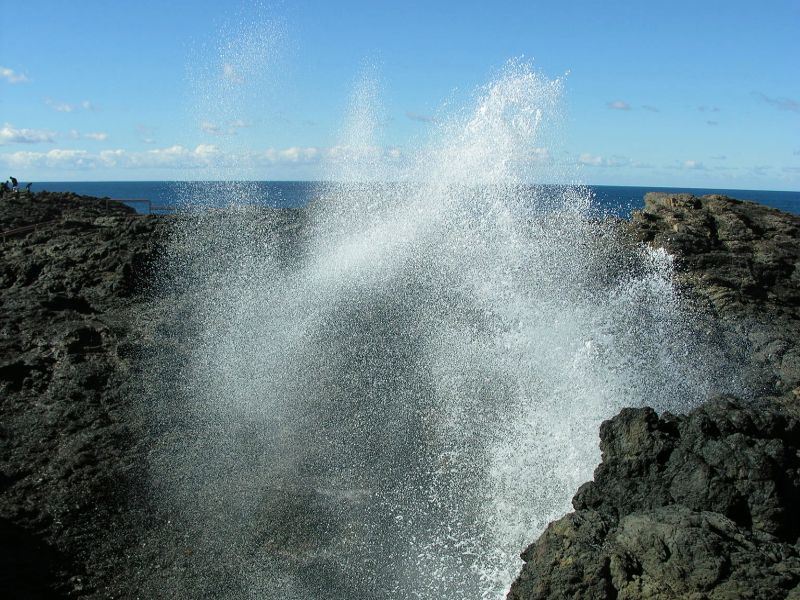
14, 184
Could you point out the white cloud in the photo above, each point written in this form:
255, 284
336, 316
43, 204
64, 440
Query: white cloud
590, 159
56, 158
619, 105
694, 165
173, 157
11, 135
346, 153
12, 76
177, 156
62, 106
112, 157
98, 136
295, 155
541, 155
205, 150
600, 161
67, 155
180, 157
66, 107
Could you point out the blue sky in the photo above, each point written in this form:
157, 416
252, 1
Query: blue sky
701, 94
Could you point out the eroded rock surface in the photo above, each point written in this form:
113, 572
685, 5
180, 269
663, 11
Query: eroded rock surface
743, 259
697, 504
702, 505
66, 292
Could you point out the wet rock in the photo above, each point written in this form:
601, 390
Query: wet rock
697, 504
743, 260
702, 505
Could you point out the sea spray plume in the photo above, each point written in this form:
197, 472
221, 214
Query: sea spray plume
459, 259
389, 395
356, 158
510, 313
231, 82
500, 140
357, 173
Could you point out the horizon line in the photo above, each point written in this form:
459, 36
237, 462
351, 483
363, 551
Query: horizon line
323, 181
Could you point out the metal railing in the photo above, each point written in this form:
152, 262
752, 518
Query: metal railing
25, 229
150, 206
17, 231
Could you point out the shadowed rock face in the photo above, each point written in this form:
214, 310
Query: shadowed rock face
742, 259
697, 504
702, 505
65, 293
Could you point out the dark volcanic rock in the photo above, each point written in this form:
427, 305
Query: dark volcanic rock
737, 253
702, 505
698, 504
77, 514
19, 210
66, 292
742, 258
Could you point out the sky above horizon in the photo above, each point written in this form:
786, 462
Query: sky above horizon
680, 94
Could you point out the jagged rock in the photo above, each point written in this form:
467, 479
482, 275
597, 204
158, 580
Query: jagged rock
63, 457
743, 259
702, 505
19, 210
697, 504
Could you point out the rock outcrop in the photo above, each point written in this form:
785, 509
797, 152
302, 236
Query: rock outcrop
702, 505
66, 292
742, 259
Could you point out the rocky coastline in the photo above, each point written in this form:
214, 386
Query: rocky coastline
66, 452
702, 505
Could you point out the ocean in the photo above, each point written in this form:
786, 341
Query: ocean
617, 200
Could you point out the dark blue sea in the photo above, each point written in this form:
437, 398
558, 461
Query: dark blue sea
149, 195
